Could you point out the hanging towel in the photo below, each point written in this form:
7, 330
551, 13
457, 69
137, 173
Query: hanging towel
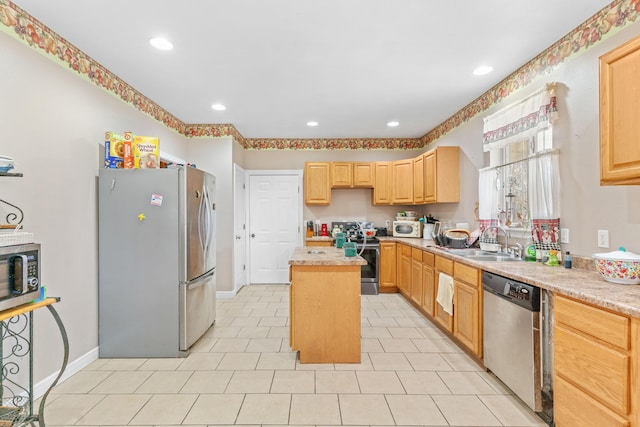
445, 293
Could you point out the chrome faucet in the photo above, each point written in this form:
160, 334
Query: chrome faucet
506, 236
516, 250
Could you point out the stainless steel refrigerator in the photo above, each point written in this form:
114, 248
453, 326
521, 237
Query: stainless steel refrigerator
157, 260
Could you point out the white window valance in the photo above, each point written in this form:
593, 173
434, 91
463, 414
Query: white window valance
520, 120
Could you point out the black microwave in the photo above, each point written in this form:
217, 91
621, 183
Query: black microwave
19, 274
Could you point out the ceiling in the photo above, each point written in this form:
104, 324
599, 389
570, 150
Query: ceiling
350, 65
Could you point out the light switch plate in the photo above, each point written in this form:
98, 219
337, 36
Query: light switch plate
603, 238
564, 235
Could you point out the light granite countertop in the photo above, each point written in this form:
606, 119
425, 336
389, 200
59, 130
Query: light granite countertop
323, 255
584, 284
319, 239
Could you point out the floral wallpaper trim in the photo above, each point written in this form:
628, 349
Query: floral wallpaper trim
19, 24
606, 22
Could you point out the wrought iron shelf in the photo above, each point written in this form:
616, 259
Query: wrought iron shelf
13, 218
10, 174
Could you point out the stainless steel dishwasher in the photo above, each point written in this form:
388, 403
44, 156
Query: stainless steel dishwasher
512, 345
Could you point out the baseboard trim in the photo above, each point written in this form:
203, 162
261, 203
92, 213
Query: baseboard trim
72, 368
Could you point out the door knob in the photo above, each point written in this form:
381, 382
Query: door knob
238, 237
253, 235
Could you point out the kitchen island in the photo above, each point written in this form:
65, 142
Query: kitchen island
324, 305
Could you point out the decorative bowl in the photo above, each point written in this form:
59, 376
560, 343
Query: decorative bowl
6, 168
369, 232
619, 266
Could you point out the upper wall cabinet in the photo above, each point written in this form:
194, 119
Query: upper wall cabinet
382, 184
317, 188
402, 182
352, 175
619, 111
418, 179
442, 175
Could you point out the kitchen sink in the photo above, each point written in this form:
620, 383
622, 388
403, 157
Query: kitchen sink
316, 251
492, 257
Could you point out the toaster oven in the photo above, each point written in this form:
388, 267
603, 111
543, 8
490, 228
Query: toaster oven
407, 229
19, 274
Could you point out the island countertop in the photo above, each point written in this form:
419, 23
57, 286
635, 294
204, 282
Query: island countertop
324, 255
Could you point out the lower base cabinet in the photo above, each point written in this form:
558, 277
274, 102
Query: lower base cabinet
387, 279
596, 366
442, 265
428, 283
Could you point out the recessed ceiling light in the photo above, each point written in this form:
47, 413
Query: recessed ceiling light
393, 124
312, 123
482, 70
218, 107
161, 43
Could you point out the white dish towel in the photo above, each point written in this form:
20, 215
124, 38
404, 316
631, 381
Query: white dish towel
445, 293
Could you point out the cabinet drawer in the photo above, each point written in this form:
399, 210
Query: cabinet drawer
609, 327
600, 370
416, 254
428, 258
467, 274
573, 408
444, 265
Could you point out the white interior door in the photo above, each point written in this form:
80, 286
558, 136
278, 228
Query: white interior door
239, 228
274, 225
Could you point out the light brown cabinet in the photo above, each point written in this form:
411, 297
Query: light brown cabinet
442, 265
318, 243
428, 283
317, 184
467, 302
416, 289
402, 182
442, 175
382, 187
387, 281
404, 270
364, 174
418, 179
596, 362
619, 111
341, 174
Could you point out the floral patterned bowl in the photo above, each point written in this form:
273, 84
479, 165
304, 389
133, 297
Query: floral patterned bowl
619, 266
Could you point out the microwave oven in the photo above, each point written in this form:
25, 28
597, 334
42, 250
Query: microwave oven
19, 274
407, 229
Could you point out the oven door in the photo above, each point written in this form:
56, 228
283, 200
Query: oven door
370, 272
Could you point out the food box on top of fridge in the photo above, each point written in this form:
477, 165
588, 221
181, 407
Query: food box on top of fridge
128, 151
113, 150
146, 151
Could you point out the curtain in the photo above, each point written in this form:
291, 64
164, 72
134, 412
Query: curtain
544, 200
521, 120
489, 206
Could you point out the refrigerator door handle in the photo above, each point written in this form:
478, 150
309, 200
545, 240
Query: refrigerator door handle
207, 212
200, 280
201, 211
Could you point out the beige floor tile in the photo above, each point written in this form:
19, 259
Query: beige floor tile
423, 383
161, 364
280, 361
405, 332
415, 410
293, 382
211, 382
336, 382
264, 312
264, 345
390, 313
95, 365
379, 382
495, 383
371, 345
238, 361
265, 409
201, 362
67, 409
398, 345
511, 411
165, 382
278, 332
203, 345
432, 332
314, 366
466, 383
81, 382
434, 345
122, 382
121, 364
364, 365
461, 362
245, 321
254, 331
115, 409
475, 413
390, 362
225, 331
164, 409
428, 362
357, 409
315, 409
375, 332
250, 382
215, 409
224, 345
381, 321
272, 321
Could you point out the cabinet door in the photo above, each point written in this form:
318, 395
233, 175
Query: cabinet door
416, 290
388, 267
465, 320
418, 179
382, 187
341, 174
430, 177
619, 110
404, 282
363, 175
317, 189
443, 265
402, 182
428, 283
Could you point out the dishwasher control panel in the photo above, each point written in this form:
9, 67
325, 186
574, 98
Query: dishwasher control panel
518, 291
522, 294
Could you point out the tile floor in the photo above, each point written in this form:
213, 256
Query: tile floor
242, 372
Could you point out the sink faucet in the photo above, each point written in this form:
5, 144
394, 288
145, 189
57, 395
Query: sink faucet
506, 236
516, 250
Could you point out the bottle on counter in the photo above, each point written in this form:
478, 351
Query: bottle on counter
567, 260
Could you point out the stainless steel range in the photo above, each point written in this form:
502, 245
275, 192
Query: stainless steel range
370, 251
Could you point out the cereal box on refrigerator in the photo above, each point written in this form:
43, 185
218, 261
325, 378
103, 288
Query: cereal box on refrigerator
128, 151
113, 150
146, 151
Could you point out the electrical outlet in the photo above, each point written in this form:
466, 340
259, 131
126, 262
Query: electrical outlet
387, 223
564, 235
603, 238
